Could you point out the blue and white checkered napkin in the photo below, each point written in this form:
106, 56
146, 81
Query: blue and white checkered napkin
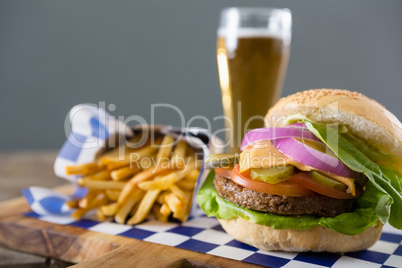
91, 129
203, 234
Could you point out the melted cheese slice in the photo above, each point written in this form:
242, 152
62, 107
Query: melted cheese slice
264, 155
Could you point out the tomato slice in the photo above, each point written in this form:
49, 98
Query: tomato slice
281, 188
304, 179
223, 172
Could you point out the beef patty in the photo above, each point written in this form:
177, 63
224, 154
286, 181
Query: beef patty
320, 205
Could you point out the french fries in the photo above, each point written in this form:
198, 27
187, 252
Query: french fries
165, 210
112, 194
145, 206
123, 173
98, 201
125, 209
83, 170
128, 184
109, 210
156, 211
91, 184
166, 149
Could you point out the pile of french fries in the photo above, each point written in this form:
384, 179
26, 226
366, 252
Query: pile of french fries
156, 178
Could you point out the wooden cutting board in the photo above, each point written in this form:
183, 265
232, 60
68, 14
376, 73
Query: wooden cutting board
92, 249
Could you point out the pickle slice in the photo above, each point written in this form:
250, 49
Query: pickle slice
317, 146
327, 181
272, 175
221, 161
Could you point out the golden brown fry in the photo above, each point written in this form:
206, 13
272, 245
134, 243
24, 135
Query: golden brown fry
114, 163
161, 198
101, 185
182, 214
164, 182
146, 162
160, 183
125, 208
102, 175
84, 202
165, 149
112, 194
109, 210
196, 162
147, 174
72, 203
165, 210
76, 215
84, 169
100, 200
123, 173
143, 152
87, 200
193, 176
134, 209
180, 149
145, 206
192, 163
147, 152
129, 159
122, 150
177, 191
132, 142
188, 165
179, 152
99, 215
187, 185
156, 211
173, 202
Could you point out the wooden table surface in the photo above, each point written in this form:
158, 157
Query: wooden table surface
17, 232
28, 168
17, 171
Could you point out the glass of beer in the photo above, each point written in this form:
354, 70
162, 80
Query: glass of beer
253, 49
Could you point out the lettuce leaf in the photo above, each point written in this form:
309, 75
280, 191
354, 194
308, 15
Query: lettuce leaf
387, 182
381, 199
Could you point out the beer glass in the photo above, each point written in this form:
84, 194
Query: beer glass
253, 47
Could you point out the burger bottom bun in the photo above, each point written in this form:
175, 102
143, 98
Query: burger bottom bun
316, 239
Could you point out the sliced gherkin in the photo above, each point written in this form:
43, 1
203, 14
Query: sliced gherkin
221, 161
272, 175
327, 181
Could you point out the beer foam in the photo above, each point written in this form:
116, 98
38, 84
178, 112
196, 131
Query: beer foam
251, 32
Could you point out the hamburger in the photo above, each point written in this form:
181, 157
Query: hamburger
323, 175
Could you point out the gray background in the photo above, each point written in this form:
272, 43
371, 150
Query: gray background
55, 54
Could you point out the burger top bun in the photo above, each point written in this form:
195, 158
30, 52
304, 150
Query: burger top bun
364, 117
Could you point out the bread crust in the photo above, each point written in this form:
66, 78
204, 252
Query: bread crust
364, 117
316, 239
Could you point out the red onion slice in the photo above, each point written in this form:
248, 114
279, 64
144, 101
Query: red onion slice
271, 133
309, 156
